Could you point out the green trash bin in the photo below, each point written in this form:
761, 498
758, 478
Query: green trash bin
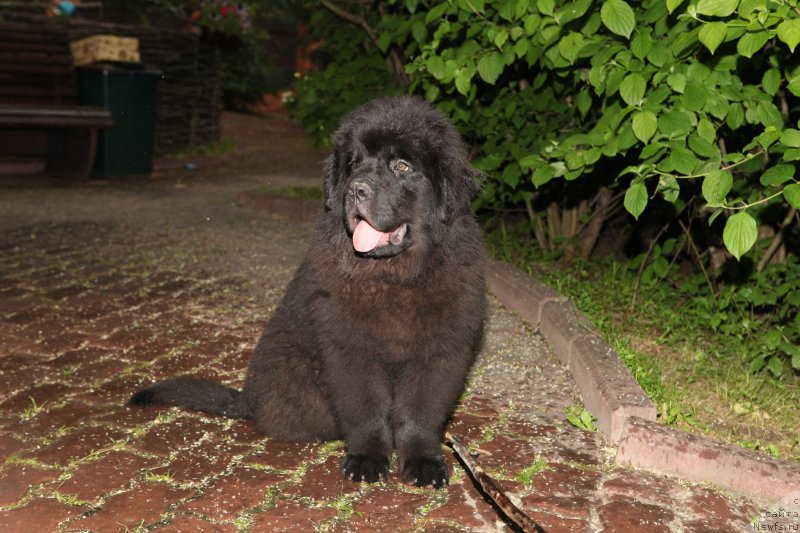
129, 91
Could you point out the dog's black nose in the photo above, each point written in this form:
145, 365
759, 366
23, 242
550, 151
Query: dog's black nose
360, 191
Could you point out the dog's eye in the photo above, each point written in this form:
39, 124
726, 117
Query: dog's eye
401, 166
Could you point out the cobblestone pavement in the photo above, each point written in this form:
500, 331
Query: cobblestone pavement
107, 287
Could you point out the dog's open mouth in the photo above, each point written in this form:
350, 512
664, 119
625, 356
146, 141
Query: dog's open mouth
367, 238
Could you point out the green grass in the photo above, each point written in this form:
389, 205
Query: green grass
699, 379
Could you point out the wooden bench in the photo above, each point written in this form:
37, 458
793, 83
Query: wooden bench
71, 134
39, 114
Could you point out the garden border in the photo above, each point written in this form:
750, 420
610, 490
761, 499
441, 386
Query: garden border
625, 416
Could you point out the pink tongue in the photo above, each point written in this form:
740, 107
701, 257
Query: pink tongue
365, 237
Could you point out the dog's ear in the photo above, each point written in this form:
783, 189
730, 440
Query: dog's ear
460, 184
330, 178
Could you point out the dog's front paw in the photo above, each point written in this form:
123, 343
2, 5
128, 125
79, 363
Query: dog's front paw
425, 471
356, 467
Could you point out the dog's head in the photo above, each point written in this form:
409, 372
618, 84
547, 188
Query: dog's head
398, 175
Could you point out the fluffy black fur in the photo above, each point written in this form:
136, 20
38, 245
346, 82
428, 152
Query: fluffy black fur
371, 347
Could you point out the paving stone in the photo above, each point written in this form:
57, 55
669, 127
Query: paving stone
285, 456
322, 482
570, 507
555, 524
291, 516
9, 445
115, 391
623, 516
85, 354
76, 445
192, 524
64, 418
49, 393
125, 511
92, 480
208, 459
179, 434
639, 486
386, 508
41, 514
467, 507
564, 480
15, 479
233, 493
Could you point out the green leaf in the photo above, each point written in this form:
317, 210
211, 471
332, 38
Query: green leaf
435, 66
789, 33
546, 7
463, 80
790, 137
750, 43
419, 31
641, 45
677, 82
682, 160
775, 366
694, 96
672, 4
501, 39
644, 125
794, 86
632, 89
436, 12
570, 45
792, 194
706, 130
490, 67
635, 199
542, 175
719, 8
508, 10
771, 81
702, 147
675, 124
618, 17
669, 188
531, 24
740, 233
735, 117
712, 35
792, 154
716, 186
777, 175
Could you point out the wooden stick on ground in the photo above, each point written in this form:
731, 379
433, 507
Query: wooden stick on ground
491, 487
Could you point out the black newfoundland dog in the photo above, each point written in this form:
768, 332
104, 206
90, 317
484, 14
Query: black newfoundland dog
379, 327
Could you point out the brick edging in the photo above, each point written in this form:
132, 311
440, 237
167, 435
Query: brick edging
625, 416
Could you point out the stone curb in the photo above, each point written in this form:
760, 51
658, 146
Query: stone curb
625, 415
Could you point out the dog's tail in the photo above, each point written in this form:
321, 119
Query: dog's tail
195, 394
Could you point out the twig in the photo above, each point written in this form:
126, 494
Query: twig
776, 241
698, 258
653, 242
394, 59
491, 487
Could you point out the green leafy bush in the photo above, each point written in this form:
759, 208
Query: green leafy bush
682, 110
